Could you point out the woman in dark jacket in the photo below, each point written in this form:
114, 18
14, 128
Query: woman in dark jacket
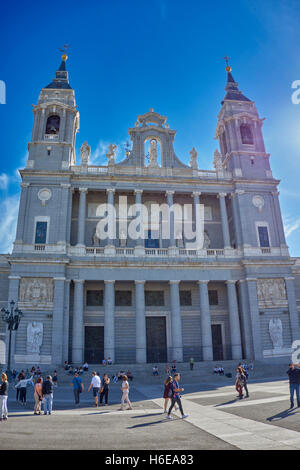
3, 397
104, 389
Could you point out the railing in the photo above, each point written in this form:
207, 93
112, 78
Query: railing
139, 252
144, 171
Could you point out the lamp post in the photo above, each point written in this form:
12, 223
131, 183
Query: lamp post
12, 318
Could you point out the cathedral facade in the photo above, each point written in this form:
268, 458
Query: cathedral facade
139, 296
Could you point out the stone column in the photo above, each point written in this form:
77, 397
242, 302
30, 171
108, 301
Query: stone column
62, 127
176, 326
69, 216
236, 220
63, 214
58, 321
140, 322
22, 212
254, 317
81, 217
110, 202
42, 125
66, 321
234, 321
245, 319
77, 342
109, 319
13, 294
205, 322
169, 195
294, 315
224, 220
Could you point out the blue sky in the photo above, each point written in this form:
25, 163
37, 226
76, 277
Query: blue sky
128, 56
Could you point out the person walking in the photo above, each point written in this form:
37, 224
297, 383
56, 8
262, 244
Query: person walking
294, 382
168, 393
245, 380
55, 379
239, 382
38, 396
192, 363
3, 397
22, 385
20, 376
47, 391
104, 389
95, 384
175, 392
78, 388
125, 393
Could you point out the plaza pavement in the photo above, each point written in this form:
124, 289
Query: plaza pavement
217, 420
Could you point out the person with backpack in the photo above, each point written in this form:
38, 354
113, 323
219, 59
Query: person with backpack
78, 388
168, 393
175, 392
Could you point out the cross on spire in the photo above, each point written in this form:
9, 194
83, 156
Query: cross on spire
226, 58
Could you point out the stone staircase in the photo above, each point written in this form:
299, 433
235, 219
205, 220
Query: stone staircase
202, 372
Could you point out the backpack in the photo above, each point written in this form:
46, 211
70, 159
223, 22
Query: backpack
171, 390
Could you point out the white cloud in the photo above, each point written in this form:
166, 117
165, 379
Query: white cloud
290, 225
9, 214
4, 180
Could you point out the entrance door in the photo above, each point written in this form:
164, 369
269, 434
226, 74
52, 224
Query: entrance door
156, 339
94, 344
216, 331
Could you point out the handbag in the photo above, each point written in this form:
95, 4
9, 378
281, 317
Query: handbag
102, 389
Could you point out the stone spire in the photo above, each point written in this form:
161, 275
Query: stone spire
61, 80
232, 91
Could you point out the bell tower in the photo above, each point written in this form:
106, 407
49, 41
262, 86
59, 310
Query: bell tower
239, 131
56, 121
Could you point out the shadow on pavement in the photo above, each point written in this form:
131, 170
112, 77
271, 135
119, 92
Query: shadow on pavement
283, 414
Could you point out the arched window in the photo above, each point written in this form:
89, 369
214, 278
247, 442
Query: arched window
246, 134
52, 125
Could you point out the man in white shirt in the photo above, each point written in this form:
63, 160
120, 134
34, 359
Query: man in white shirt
95, 384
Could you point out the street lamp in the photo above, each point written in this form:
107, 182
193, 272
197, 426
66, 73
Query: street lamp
12, 318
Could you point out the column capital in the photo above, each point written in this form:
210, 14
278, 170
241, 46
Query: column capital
110, 190
250, 279
174, 282
202, 281
196, 193
289, 278
240, 191
83, 190
65, 185
14, 278
170, 193
24, 185
230, 281
221, 195
109, 281
138, 191
59, 279
139, 282
78, 281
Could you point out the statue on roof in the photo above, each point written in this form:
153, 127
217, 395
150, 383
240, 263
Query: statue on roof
153, 154
193, 159
85, 152
111, 154
218, 161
